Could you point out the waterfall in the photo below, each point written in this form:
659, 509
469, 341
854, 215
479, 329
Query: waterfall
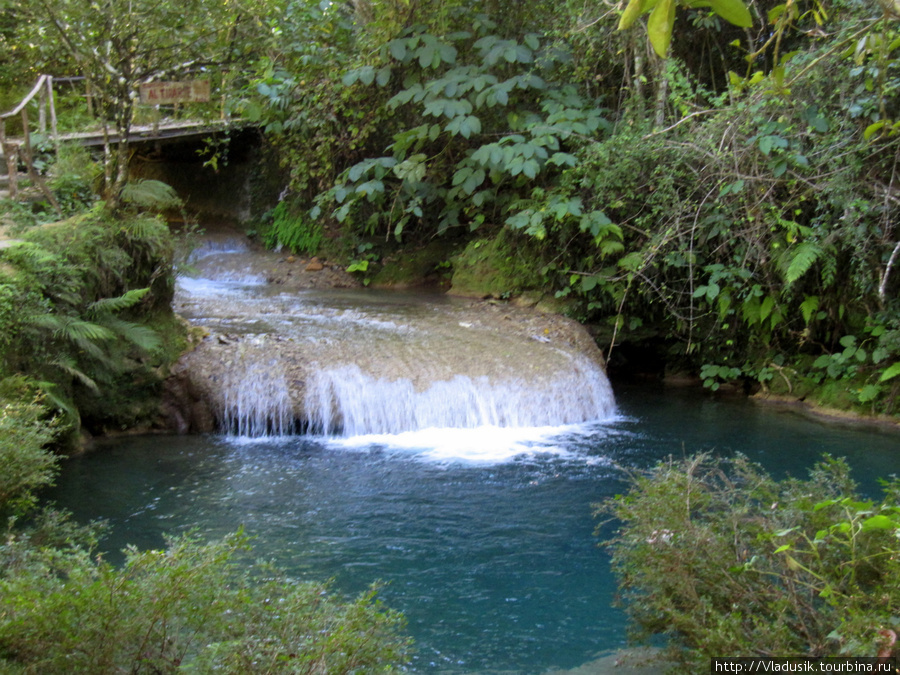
283, 357
256, 401
346, 401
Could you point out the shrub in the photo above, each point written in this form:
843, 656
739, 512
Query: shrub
725, 560
190, 608
75, 305
25, 429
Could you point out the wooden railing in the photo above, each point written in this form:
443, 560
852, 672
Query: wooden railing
43, 90
16, 150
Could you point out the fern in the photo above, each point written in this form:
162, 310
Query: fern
51, 394
150, 229
51, 322
805, 256
112, 305
68, 366
140, 336
79, 331
30, 256
297, 233
809, 307
151, 194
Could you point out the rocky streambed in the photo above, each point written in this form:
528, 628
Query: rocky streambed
284, 337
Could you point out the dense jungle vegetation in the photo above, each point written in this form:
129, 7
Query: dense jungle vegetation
729, 205
714, 183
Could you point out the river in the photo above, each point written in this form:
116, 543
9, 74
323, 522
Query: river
481, 529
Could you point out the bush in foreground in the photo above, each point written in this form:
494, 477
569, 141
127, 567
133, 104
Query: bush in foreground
726, 561
191, 608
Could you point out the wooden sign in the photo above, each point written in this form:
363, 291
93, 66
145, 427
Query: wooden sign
162, 93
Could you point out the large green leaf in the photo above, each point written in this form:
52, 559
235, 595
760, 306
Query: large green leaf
733, 11
890, 373
879, 522
659, 26
398, 49
634, 9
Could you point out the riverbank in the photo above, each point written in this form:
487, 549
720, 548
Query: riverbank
824, 413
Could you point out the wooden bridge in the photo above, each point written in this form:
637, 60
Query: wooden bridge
20, 150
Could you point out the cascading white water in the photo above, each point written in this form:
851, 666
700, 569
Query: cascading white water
351, 363
256, 401
348, 402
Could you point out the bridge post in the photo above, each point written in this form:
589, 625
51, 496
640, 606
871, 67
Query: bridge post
11, 154
53, 126
12, 168
29, 163
42, 110
89, 96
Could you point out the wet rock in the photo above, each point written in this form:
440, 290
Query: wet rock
185, 408
443, 339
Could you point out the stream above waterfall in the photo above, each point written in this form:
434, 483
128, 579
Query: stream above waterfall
350, 362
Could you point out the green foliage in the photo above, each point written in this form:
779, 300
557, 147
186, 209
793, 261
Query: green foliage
71, 302
150, 195
724, 559
500, 267
26, 428
293, 231
70, 174
74, 180
484, 124
750, 236
189, 608
297, 97
713, 375
747, 223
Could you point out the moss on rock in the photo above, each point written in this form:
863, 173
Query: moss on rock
427, 265
495, 267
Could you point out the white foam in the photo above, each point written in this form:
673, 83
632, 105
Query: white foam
480, 445
257, 402
201, 287
229, 246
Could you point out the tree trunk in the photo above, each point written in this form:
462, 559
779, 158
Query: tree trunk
662, 92
124, 118
639, 51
